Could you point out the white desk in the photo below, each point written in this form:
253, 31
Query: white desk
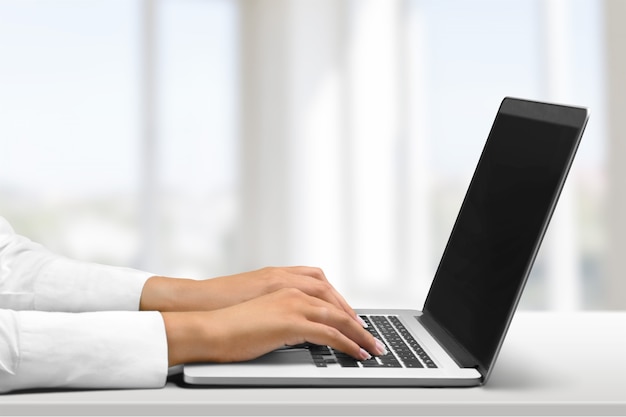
551, 364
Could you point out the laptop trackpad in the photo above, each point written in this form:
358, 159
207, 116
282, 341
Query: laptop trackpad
284, 357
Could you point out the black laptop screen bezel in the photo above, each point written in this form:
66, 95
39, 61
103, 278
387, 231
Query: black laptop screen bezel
439, 308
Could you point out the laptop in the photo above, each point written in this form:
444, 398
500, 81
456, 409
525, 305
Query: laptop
455, 338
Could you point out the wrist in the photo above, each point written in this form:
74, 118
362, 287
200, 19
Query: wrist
180, 345
168, 294
188, 339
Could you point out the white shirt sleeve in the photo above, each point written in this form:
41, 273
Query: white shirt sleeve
116, 349
54, 331
32, 278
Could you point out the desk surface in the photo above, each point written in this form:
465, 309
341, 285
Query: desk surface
550, 364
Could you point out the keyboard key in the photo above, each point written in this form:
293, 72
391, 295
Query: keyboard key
389, 361
413, 364
370, 363
320, 350
346, 361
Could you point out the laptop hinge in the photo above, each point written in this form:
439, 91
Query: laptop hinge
460, 355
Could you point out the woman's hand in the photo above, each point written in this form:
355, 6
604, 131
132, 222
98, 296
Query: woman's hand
172, 294
250, 329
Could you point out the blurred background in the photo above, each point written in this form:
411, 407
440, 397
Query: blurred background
206, 137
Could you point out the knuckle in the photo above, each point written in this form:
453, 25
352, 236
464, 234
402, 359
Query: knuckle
332, 333
323, 312
321, 289
326, 288
316, 271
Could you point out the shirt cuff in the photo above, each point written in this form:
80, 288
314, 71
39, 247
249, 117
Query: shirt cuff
90, 350
75, 286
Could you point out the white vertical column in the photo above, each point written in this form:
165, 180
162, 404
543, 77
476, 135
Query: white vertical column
265, 183
563, 272
316, 99
148, 201
615, 286
374, 107
414, 197
292, 111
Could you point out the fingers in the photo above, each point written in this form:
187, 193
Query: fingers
325, 335
313, 281
328, 325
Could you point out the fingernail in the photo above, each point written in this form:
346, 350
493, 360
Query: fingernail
360, 320
364, 355
382, 350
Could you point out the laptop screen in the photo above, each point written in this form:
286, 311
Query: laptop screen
501, 223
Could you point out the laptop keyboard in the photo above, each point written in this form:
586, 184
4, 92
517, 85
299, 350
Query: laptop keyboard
403, 351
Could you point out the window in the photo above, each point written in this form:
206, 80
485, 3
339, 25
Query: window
199, 138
